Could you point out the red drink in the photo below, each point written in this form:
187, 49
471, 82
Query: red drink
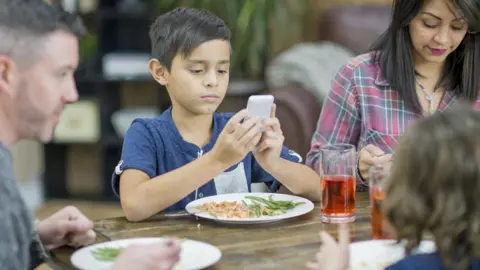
379, 224
338, 195
337, 181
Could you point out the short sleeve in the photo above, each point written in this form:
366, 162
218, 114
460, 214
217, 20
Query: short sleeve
139, 152
262, 176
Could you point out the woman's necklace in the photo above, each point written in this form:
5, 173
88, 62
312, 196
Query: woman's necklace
428, 97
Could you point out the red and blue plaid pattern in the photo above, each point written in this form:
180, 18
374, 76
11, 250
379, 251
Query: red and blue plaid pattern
363, 109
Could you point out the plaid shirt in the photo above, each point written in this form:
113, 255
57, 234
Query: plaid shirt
363, 109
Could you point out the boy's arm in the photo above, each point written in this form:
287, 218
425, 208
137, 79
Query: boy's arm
142, 196
284, 165
143, 193
297, 179
291, 175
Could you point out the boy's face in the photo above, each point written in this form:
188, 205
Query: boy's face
197, 83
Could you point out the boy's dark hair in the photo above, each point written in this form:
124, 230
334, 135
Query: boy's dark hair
23, 24
434, 185
181, 30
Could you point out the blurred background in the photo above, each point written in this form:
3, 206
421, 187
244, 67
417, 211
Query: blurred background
288, 48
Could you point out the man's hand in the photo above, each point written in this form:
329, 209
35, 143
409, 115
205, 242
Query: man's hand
66, 227
161, 256
270, 146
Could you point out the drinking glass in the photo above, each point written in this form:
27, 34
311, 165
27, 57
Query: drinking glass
337, 179
378, 175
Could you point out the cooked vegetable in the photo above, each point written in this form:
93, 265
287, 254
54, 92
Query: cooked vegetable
106, 254
261, 206
109, 254
258, 207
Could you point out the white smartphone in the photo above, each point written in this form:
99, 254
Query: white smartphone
260, 106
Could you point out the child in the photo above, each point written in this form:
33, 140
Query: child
190, 151
433, 188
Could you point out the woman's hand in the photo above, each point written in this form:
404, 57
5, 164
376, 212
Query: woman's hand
371, 155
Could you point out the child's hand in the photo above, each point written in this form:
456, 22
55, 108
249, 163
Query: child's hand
332, 255
270, 146
237, 139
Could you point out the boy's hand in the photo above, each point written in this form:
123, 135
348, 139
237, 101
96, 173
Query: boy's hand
268, 150
332, 255
237, 139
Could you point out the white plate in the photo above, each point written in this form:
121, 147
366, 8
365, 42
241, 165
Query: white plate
297, 211
194, 254
378, 254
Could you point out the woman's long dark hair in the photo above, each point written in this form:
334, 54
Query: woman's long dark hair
462, 69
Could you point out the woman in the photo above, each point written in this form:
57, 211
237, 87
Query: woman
428, 58
432, 190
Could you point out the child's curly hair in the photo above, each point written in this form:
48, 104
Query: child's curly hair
434, 185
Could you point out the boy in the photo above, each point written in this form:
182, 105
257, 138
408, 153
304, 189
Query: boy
190, 151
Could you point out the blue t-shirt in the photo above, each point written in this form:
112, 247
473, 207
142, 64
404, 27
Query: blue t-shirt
430, 261
155, 146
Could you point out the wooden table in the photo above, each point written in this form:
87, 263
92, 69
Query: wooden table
281, 245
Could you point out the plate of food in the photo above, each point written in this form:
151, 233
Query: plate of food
244, 208
378, 254
193, 255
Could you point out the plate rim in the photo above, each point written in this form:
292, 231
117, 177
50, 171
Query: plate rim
218, 251
309, 204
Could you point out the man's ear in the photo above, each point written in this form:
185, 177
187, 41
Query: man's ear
159, 72
7, 73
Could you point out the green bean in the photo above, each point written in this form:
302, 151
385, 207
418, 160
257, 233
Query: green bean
256, 210
288, 204
106, 254
272, 204
262, 200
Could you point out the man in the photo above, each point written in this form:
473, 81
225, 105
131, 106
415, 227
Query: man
38, 57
